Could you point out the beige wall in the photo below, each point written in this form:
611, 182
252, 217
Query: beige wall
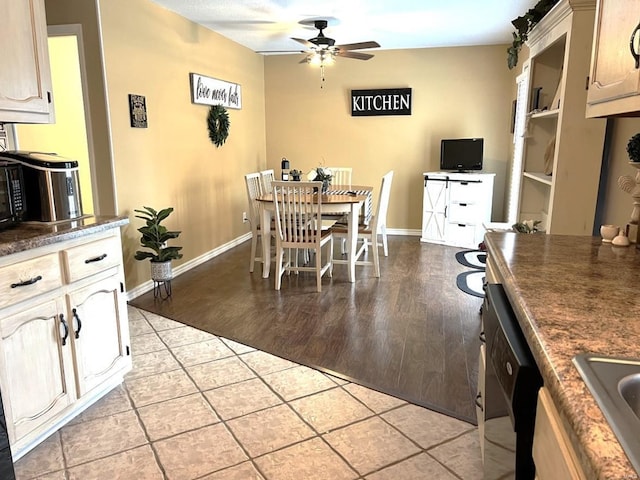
457, 92
150, 51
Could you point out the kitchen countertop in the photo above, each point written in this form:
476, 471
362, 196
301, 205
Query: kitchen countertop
574, 295
28, 235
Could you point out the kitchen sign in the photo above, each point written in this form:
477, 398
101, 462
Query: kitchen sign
211, 91
388, 101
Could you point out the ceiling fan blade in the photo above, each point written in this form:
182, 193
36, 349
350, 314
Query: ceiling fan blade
281, 51
356, 55
358, 46
304, 42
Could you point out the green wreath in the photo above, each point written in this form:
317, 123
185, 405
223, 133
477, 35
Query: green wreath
218, 123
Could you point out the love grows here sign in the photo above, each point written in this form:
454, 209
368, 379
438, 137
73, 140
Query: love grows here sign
211, 91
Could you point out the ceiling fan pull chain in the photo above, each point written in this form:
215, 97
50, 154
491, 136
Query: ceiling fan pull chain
322, 75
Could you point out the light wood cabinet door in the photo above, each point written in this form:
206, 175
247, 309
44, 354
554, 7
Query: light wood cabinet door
553, 453
100, 334
25, 77
36, 367
614, 82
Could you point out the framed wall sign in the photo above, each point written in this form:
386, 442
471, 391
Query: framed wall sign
138, 111
388, 101
211, 91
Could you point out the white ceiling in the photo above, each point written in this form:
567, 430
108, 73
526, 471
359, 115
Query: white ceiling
267, 25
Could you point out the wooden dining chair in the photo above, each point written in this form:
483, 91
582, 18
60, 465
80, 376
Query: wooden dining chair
254, 190
341, 175
369, 233
267, 177
298, 227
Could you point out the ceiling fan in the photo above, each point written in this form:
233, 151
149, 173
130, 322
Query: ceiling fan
325, 47
322, 50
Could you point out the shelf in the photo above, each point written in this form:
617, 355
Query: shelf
546, 114
539, 177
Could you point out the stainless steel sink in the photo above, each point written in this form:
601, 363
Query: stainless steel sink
615, 384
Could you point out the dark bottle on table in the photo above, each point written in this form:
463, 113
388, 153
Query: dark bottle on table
284, 166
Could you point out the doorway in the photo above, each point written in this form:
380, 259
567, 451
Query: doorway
70, 135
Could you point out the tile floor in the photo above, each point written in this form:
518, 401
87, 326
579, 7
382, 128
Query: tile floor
196, 406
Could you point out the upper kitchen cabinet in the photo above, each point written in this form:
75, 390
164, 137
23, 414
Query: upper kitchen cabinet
614, 85
25, 79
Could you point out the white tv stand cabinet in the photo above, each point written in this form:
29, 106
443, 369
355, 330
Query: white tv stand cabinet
454, 207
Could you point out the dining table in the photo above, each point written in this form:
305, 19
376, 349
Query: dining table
350, 200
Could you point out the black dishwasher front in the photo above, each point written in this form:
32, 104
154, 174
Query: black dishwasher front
512, 382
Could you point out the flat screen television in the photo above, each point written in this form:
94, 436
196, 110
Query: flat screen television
461, 154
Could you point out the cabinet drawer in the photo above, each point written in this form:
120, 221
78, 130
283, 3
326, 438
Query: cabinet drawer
27, 279
467, 191
90, 258
467, 213
461, 235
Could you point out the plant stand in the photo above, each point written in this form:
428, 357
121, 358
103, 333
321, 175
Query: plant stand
162, 289
161, 274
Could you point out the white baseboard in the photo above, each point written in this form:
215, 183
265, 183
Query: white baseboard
148, 286
402, 231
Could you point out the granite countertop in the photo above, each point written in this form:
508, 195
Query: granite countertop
574, 295
28, 235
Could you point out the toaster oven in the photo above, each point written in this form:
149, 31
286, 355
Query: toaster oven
12, 194
51, 185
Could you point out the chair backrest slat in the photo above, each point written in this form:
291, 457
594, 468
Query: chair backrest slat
254, 190
298, 212
267, 177
341, 175
380, 217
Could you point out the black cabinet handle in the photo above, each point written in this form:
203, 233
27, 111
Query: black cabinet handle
31, 281
66, 329
479, 401
632, 40
75, 315
96, 259
482, 337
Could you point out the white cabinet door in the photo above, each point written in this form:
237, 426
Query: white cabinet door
36, 367
434, 209
25, 77
100, 334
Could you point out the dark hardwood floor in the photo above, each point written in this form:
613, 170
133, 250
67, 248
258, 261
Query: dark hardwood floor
410, 333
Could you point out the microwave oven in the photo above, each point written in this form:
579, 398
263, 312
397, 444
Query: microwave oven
12, 195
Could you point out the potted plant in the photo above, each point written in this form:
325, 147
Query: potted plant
155, 237
321, 174
295, 175
633, 148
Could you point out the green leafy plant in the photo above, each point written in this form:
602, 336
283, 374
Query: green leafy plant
523, 25
320, 174
527, 226
155, 236
633, 148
